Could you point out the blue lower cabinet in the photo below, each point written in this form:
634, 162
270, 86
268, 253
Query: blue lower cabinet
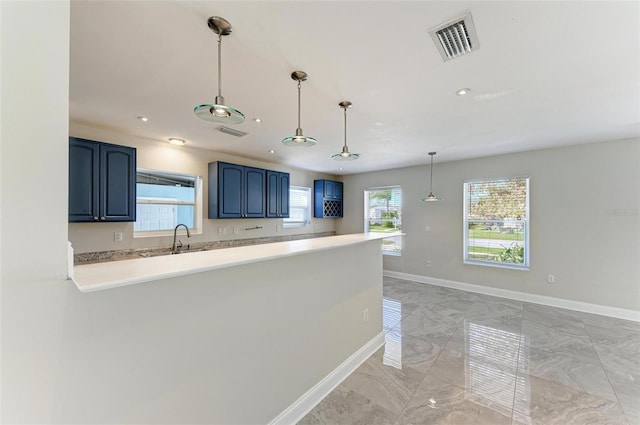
236, 191
102, 182
327, 199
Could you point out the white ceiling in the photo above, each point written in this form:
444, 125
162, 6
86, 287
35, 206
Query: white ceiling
546, 74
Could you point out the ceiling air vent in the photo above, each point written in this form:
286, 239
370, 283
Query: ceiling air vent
455, 38
231, 131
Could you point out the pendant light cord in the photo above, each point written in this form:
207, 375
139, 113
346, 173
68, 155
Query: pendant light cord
431, 178
219, 64
345, 127
298, 103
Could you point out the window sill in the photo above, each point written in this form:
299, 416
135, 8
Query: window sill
497, 265
288, 226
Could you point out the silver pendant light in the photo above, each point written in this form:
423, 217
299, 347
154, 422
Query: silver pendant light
431, 197
299, 139
218, 112
345, 155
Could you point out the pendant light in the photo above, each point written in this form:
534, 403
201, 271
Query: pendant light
431, 197
218, 112
299, 139
345, 155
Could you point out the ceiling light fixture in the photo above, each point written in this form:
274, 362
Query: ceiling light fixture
345, 155
299, 139
431, 197
218, 111
177, 142
143, 119
463, 92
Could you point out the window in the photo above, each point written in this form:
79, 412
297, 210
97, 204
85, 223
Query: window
383, 214
496, 222
164, 200
299, 207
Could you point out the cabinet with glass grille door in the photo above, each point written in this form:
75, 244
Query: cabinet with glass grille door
327, 199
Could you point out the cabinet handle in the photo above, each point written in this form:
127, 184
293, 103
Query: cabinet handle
102, 218
95, 218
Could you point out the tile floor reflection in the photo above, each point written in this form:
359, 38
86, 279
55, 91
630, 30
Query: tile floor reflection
454, 357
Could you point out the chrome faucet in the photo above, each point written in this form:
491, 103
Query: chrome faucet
174, 248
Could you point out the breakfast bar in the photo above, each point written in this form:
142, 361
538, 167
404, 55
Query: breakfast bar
300, 315
100, 276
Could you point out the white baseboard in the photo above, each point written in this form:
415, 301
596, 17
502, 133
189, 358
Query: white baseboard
303, 405
620, 313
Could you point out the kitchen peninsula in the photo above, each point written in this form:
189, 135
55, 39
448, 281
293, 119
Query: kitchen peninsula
99, 276
273, 309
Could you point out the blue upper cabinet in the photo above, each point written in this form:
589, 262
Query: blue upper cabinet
254, 192
327, 199
227, 199
277, 194
236, 191
332, 190
102, 182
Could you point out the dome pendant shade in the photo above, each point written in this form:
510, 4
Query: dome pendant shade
345, 155
218, 112
431, 197
299, 139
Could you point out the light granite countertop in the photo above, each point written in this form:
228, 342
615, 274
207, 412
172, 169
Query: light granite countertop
113, 274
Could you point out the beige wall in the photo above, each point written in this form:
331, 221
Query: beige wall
593, 255
33, 171
160, 155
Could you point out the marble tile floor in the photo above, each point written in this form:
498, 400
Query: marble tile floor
454, 357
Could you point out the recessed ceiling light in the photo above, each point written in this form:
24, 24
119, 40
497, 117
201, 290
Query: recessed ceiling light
462, 92
177, 142
258, 120
272, 151
144, 119
341, 168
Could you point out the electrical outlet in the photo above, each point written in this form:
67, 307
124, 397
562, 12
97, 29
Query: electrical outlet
117, 237
551, 278
236, 230
427, 228
428, 263
365, 315
222, 231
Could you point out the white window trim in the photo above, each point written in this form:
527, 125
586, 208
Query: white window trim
197, 210
288, 223
366, 215
526, 265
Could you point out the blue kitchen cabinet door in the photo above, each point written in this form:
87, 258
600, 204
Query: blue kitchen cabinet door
332, 189
84, 185
254, 193
277, 194
102, 182
229, 191
117, 183
236, 191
